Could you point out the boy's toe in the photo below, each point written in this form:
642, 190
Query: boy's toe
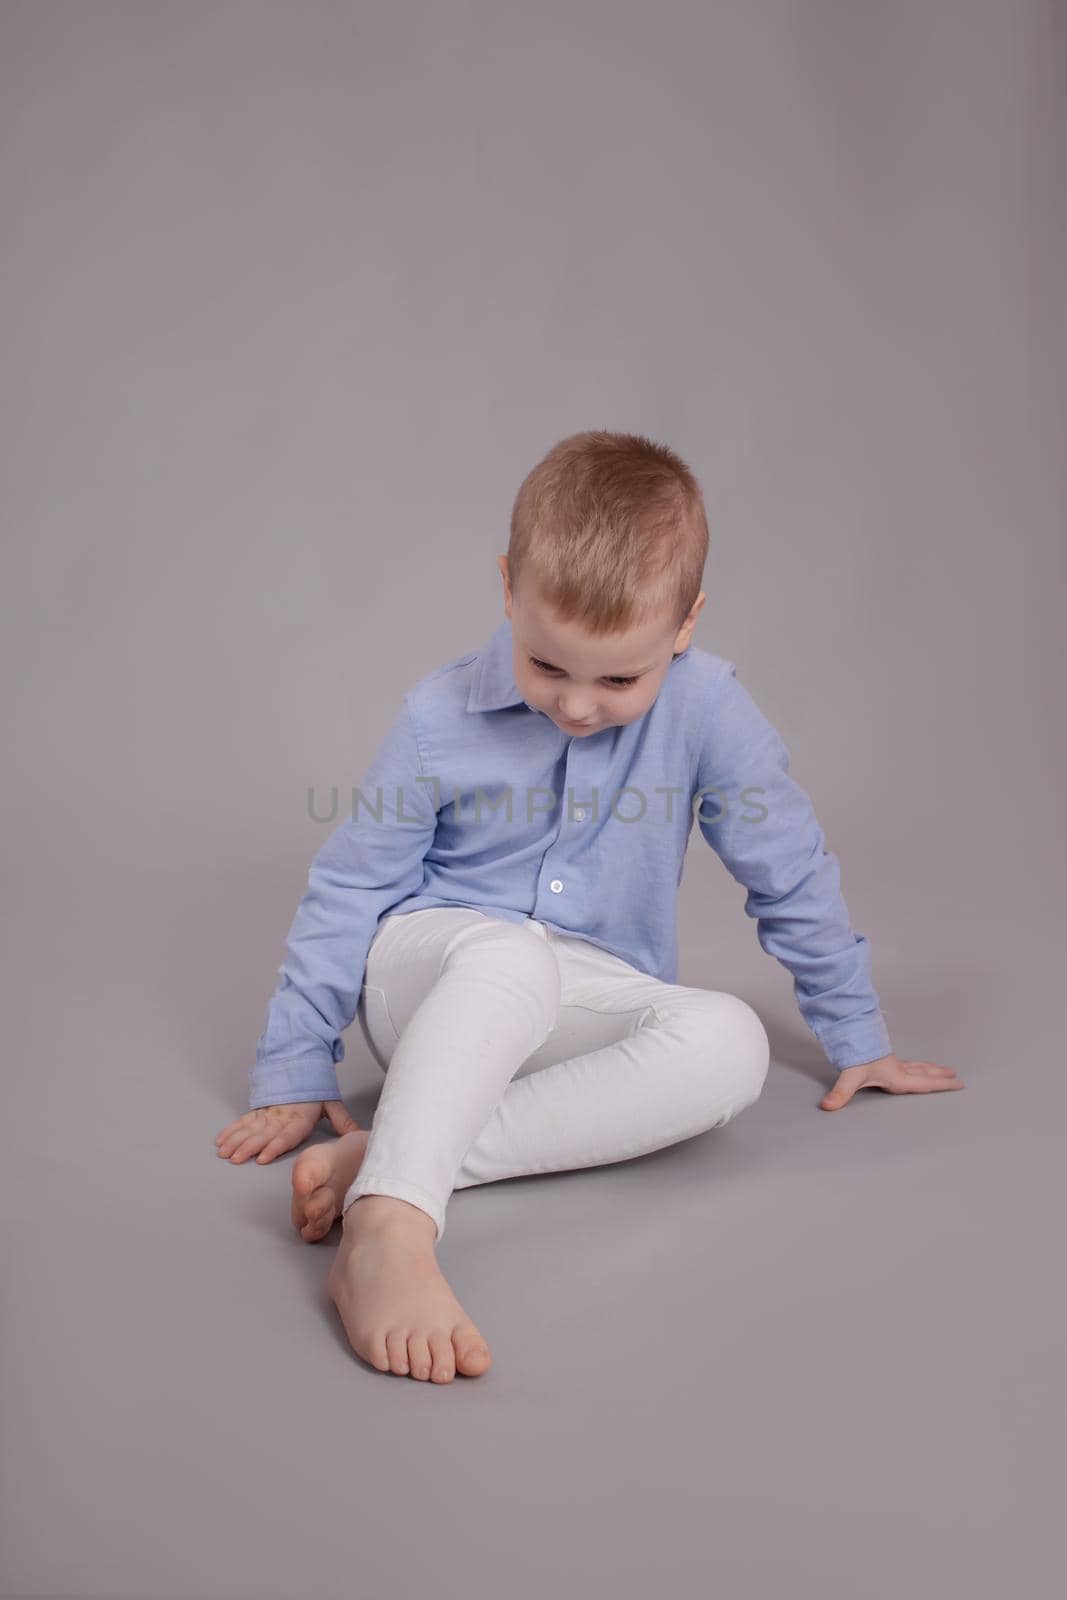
444, 1358
472, 1353
309, 1173
419, 1356
397, 1346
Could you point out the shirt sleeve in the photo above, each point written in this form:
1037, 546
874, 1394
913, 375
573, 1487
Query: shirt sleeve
371, 862
794, 881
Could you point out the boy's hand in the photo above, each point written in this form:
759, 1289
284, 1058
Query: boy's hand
274, 1129
899, 1077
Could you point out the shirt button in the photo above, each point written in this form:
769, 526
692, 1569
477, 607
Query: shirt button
579, 816
555, 886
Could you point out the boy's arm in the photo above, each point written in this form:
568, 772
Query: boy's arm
794, 882
363, 868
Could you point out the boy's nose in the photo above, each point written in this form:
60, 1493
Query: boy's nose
575, 713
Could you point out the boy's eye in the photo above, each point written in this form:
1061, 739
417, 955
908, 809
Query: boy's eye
616, 683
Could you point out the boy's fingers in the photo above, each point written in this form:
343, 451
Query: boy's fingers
249, 1146
277, 1146
254, 1133
241, 1152
930, 1075
249, 1122
238, 1135
339, 1117
229, 1131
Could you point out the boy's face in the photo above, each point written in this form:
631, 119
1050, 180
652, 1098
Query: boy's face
582, 682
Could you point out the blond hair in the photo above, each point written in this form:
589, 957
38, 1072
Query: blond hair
611, 529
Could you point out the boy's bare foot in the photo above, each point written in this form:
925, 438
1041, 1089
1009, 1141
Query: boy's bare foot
398, 1311
321, 1176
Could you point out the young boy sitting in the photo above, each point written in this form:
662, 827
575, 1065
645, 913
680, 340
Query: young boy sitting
500, 909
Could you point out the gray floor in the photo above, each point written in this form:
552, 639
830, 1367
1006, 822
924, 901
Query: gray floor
295, 296
807, 1349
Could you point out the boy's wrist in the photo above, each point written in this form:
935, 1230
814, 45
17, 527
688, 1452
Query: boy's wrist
261, 1102
869, 1061
289, 1081
853, 1044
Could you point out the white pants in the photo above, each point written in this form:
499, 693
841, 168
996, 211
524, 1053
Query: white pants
510, 1049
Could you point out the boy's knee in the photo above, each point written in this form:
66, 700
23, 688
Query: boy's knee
741, 1043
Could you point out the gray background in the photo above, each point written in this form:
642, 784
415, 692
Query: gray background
293, 297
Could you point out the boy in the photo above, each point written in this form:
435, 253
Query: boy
513, 961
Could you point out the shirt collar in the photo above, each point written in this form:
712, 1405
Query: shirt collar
494, 680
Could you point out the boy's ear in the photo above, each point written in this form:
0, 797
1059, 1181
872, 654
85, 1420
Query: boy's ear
502, 564
685, 631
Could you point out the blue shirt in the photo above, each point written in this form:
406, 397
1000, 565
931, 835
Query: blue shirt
476, 799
